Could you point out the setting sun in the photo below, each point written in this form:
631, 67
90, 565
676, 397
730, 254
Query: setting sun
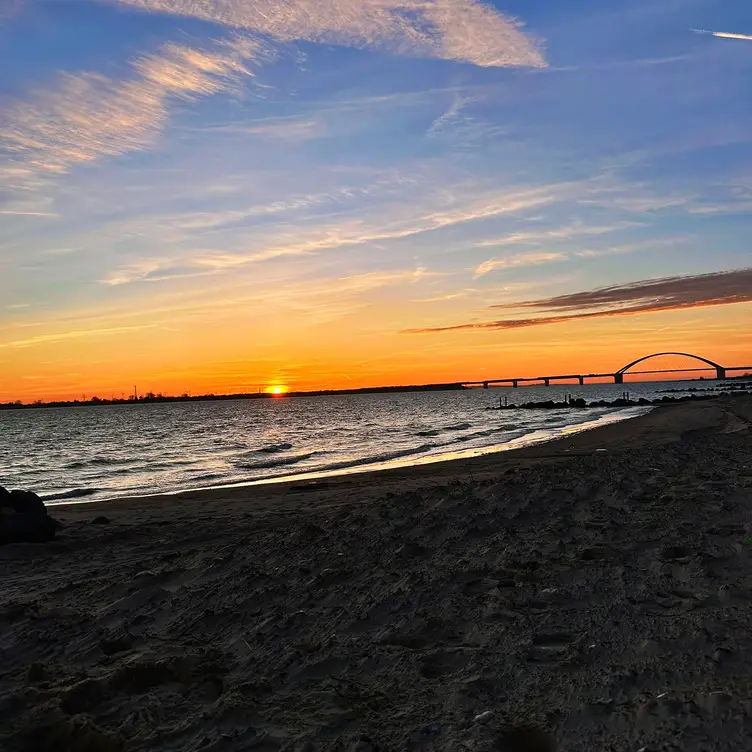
277, 390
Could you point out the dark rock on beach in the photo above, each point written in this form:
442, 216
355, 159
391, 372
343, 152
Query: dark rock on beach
26, 502
24, 518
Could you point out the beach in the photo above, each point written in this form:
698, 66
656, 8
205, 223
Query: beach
597, 587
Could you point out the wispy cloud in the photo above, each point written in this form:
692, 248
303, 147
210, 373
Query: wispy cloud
461, 129
89, 116
77, 334
540, 237
463, 30
724, 34
518, 260
648, 296
346, 233
318, 299
567, 232
645, 245
449, 117
290, 128
19, 213
639, 202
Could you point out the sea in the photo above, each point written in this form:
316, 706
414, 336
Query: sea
87, 454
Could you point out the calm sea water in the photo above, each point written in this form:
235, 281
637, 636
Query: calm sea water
125, 450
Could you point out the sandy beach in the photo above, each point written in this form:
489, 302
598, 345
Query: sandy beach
597, 588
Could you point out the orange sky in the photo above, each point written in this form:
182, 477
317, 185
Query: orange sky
244, 349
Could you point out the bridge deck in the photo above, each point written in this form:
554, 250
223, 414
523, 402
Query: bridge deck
582, 376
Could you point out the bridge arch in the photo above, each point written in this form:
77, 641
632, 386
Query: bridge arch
719, 369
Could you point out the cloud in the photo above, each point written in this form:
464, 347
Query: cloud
648, 296
638, 204
462, 130
449, 117
540, 237
317, 299
462, 30
13, 213
329, 237
646, 245
568, 232
77, 334
89, 116
517, 260
288, 128
724, 34
207, 221
140, 271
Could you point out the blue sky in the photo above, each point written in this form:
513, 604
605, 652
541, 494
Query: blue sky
165, 164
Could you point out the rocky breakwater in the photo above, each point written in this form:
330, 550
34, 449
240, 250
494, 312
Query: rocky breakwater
24, 518
571, 402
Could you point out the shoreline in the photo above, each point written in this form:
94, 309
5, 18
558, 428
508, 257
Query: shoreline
514, 445
659, 425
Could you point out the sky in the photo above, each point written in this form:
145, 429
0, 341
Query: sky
223, 195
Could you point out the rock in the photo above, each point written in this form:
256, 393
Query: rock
100, 521
26, 502
24, 518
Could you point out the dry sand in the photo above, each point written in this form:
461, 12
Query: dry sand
601, 595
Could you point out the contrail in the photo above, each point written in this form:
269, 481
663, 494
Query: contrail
723, 34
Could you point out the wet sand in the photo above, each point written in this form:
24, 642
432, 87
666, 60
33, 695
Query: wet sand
604, 596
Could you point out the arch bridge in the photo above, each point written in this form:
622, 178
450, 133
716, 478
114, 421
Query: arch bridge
618, 376
720, 371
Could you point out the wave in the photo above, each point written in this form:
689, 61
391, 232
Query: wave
511, 433
76, 493
96, 461
376, 459
269, 464
274, 448
207, 477
429, 432
458, 427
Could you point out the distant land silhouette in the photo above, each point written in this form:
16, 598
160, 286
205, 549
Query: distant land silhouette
151, 398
